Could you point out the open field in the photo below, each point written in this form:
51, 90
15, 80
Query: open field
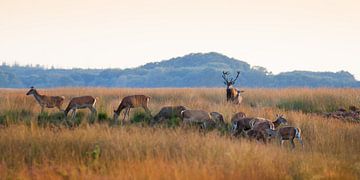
29, 150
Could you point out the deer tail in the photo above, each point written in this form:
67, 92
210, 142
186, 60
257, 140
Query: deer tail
297, 132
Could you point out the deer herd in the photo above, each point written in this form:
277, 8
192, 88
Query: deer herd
254, 128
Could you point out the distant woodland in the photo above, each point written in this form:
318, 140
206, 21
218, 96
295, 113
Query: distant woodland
192, 70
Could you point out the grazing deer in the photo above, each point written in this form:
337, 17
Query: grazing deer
260, 124
204, 119
81, 102
238, 116
286, 133
129, 102
240, 125
257, 135
46, 101
167, 113
263, 124
232, 94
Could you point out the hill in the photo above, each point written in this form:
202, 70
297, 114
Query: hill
192, 70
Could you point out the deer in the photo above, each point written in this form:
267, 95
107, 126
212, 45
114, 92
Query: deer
46, 101
257, 135
129, 102
259, 124
232, 94
81, 102
286, 133
238, 116
166, 113
202, 118
263, 124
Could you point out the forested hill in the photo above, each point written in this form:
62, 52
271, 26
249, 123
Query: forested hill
193, 70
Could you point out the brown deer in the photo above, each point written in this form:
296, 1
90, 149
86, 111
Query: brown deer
167, 113
238, 116
257, 135
241, 125
129, 102
202, 118
263, 124
81, 102
46, 101
232, 94
286, 133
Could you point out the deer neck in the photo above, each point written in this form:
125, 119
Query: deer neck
38, 97
276, 124
119, 109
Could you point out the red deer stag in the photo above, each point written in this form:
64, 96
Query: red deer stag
129, 102
232, 94
81, 102
46, 101
286, 133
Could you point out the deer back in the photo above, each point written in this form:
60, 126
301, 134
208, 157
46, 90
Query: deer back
83, 100
195, 116
287, 132
135, 101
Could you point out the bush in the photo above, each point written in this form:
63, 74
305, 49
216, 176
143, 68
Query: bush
141, 117
173, 122
103, 117
15, 116
45, 118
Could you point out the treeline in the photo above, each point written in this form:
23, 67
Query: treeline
193, 70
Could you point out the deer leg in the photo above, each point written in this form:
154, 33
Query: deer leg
147, 110
42, 108
301, 142
93, 110
281, 142
73, 114
125, 113
128, 113
292, 143
123, 120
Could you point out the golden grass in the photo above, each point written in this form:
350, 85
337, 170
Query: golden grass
134, 152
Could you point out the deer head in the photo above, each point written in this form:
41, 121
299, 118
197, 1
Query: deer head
229, 82
31, 91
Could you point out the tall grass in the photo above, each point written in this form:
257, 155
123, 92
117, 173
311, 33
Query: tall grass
99, 151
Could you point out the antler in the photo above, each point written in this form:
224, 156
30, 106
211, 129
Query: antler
224, 77
233, 81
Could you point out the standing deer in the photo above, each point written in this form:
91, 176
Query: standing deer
46, 101
81, 102
232, 94
286, 133
129, 102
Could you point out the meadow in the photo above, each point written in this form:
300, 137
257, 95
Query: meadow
39, 146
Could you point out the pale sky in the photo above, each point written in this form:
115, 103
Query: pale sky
281, 35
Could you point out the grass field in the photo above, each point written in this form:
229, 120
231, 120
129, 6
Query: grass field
31, 150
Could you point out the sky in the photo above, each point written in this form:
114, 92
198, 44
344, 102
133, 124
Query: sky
280, 35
